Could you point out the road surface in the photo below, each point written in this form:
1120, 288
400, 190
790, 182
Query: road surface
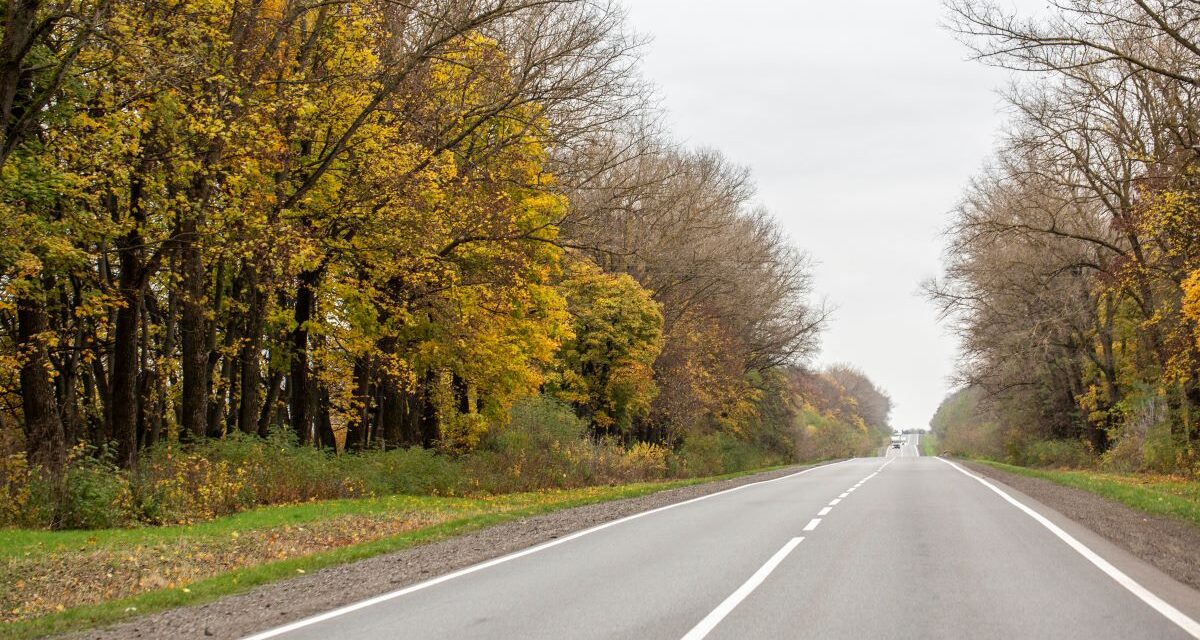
902, 546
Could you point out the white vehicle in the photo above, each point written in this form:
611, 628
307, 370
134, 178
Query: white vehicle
897, 442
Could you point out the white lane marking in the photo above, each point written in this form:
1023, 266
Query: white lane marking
825, 511
1190, 626
812, 524
715, 617
834, 502
851, 489
843, 496
277, 631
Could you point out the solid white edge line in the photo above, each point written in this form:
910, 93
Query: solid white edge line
812, 524
710, 621
362, 604
1190, 626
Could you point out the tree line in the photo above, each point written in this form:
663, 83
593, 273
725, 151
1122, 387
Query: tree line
371, 224
1073, 269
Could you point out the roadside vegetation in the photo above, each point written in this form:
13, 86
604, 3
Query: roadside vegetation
929, 444
1173, 496
54, 581
1073, 270
268, 254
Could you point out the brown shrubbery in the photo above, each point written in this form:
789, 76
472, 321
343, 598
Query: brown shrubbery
545, 446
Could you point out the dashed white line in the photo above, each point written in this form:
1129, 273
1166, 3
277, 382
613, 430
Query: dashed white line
812, 524
841, 497
834, 502
362, 604
715, 617
1145, 595
825, 511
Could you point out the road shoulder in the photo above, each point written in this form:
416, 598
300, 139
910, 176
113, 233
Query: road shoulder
1169, 544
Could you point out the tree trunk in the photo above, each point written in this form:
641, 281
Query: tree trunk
249, 359
358, 431
124, 375
428, 419
269, 408
325, 436
44, 438
19, 32
299, 380
193, 333
462, 393
391, 413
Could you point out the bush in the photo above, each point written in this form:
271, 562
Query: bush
820, 437
720, 453
91, 493
646, 461
1071, 454
179, 488
543, 446
1125, 455
15, 491
1165, 452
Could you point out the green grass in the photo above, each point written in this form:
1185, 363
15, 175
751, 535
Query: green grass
468, 514
929, 444
1158, 495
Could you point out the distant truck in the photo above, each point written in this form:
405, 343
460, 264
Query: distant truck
897, 442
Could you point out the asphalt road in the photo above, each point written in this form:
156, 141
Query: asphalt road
896, 547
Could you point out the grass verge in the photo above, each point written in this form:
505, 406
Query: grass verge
929, 444
45, 574
1160, 495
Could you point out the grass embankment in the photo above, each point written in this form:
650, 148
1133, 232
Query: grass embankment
929, 444
57, 581
1157, 494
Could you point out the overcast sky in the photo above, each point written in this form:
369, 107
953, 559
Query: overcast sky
862, 121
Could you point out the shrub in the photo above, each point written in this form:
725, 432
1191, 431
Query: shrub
1073, 454
645, 461
180, 488
15, 491
92, 493
1165, 452
1125, 455
543, 446
719, 453
412, 471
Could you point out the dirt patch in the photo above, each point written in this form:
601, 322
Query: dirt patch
1170, 544
282, 602
34, 585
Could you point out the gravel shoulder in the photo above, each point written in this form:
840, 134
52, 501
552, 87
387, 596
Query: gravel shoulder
1171, 545
282, 602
